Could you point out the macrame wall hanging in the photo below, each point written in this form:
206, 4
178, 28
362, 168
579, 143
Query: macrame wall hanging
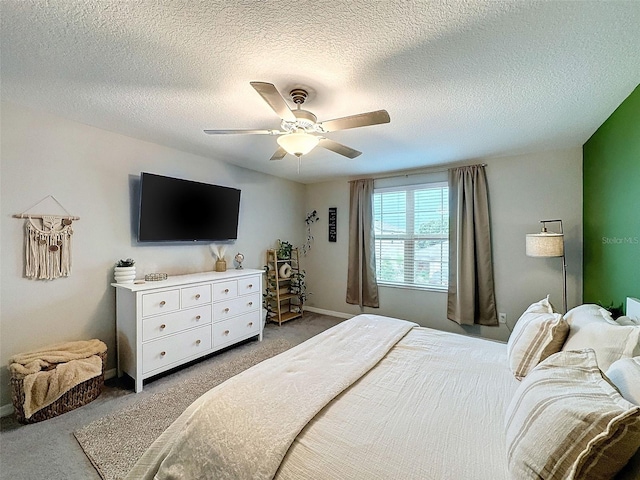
47, 243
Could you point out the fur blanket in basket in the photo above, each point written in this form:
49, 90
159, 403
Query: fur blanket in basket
50, 372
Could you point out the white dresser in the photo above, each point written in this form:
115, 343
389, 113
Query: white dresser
161, 325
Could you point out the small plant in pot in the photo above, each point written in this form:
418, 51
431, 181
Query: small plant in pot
125, 271
284, 250
129, 262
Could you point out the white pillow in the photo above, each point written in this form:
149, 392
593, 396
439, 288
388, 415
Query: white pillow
588, 312
625, 375
591, 326
626, 321
566, 422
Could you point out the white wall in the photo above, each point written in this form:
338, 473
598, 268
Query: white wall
90, 172
522, 190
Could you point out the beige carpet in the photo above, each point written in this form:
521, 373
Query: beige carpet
115, 442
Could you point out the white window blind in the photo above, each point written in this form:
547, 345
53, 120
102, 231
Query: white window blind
411, 225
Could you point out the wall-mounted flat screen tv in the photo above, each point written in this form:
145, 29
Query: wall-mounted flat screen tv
176, 210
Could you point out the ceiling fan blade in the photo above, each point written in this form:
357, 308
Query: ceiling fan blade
339, 148
279, 154
240, 132
270, 94
353, 121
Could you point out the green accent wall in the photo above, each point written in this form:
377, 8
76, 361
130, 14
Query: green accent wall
611, 169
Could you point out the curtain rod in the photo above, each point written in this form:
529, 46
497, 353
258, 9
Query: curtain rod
424, 172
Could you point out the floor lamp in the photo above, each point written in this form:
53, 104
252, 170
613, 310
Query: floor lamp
549, 244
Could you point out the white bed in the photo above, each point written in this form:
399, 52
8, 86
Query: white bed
433, 394
372, 398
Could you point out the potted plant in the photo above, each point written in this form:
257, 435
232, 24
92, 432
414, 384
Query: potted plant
268, 298
299, 287
615, 312
284, 250
125, 271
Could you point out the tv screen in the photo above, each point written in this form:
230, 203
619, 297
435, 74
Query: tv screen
176, 210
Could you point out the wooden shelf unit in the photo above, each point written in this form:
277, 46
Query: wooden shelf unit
284, 305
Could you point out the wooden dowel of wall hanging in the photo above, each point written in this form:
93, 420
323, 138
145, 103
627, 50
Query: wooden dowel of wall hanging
40, 215
25, 213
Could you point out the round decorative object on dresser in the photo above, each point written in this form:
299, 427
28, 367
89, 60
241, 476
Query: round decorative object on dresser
239, 258
125, 274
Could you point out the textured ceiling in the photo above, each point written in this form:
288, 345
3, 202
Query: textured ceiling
460, 80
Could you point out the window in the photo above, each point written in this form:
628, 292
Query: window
411, 225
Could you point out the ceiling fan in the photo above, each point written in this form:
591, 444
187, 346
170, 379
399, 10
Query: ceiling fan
300, 132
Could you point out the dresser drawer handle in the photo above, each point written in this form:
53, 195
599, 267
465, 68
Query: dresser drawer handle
226, 310
250, 303
162, 354
226, 332
251, 324
163, 303
197, 317
163, 326
198, 342
251, 285
226, 290
197, 296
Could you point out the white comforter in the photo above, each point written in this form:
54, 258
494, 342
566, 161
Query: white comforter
432, 409
425, 405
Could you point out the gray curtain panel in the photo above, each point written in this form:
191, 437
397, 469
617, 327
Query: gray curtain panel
362, 287
471, 294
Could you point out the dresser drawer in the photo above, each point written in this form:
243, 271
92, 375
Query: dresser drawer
198, 295
224, 290
230, 330
162, 302
236, 306
248, 285
172, 349
162, 325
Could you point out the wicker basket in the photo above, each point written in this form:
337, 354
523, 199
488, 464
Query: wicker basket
78, 396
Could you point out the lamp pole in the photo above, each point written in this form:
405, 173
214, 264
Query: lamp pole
564, 262
543, 245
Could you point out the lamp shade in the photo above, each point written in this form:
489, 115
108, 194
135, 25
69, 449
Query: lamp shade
298, 143
545, 244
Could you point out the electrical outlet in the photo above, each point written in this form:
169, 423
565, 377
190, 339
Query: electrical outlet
502, 317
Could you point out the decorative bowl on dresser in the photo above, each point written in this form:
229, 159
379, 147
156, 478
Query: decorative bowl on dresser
162, 325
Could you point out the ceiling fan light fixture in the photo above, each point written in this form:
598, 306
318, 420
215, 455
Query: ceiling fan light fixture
300, 131
298, 143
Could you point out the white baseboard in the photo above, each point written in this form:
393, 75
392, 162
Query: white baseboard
328, 312
6, 410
